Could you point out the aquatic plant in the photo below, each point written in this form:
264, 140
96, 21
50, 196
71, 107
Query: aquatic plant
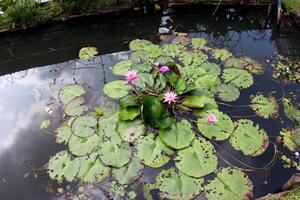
163, 115
87, 52
287, 69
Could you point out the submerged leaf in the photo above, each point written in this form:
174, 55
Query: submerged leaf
265, 107
228, 92
82, 146
87, 52
130, 130
221, 130
116, 89
178, 136
84, 126
230, 184
122, 67
249, 139
238, 77
75, 107
197, 160
177, 186
152, 151
69, 92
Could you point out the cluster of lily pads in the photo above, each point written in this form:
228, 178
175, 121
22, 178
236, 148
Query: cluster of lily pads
287, 69
167, 111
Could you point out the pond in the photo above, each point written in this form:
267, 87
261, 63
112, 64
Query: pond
35, 65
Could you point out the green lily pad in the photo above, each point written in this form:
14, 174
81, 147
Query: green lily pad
92, 170
290, 110
209, 104
177, 82
253, 66
84, 126
108, 108
129, 173
264, 107
82, 146
130, 130
45, 124
230, 184
75, 107
221, 130
63, 133
139, 57
178, 136
177, 186
114, 152
87, 52
228, 92
238, 77
193, 102
197, 160
69, 92
129, 101
192, 58
145, 79
191, 73
62, 167
129, 113
207, 82
291, 138
153, 50
116, 89
249, 139
173, 50
235, 62
222, 54
198, 43
107, 125
138, 44
152, 151
211, 68
164, 59
122, 67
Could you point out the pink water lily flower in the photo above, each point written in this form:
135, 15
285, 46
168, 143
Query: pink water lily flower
211, 119
170, 97
132, 77
164, 69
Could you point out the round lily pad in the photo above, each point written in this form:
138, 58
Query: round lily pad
62, 167
84, 126
235, 62
152, 151
153, 50
228, 92
249, 139
87, 52
122, 67
173, 50
291, 138
114, 152
107, 125
253, 66
69, 92
75, 107
177, 186
221, 130
222, 54
92, 170
82, 146
192, 58
129, 173
198, 43
139, 57
230, 184
265, 107
130, 130
63, 133
197, 160
178, 136
138, 44
238, 77
211, 68
116, 89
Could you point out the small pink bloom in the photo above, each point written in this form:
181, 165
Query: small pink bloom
157, 64
132, 77
164, 69
170, 97
211, 119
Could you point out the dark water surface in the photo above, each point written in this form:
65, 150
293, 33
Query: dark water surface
28, 91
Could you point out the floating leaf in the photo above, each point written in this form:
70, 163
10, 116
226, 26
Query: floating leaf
228, 92
178, 136
177, 82
235, 62
265, 107
61, 166
291, 111
152, 151
116, 89
153, 50
130, 130
177, 186
222, 54
191, 73
221, 130
209, 104
147, 189
84, 126
75, 107
193, 102
249, 139
197, 160
45, 124
142, 67
207, 82
253, 66
69, 92
138, 44
291, 138
122, 67
198, 43
139, 57
164, 59
82, 146
192, 58
129, 101
92, 169
63, 133
114, 152
129, 113
145, 79
129, 173
87, 52
230, 184
211, 68
173, 50
108, 108
238, 77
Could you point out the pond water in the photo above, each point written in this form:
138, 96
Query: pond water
36, 64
